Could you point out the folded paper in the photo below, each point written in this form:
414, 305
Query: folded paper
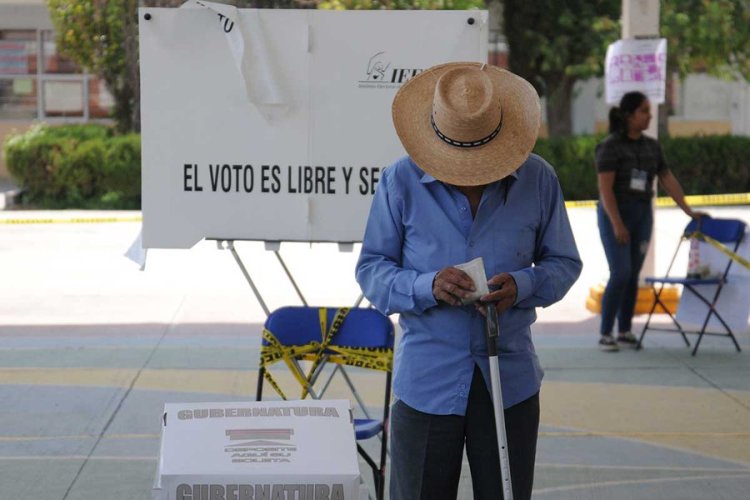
475, 270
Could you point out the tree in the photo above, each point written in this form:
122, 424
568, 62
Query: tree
711, 36
102, 37
554, 44
708, 35
93, 34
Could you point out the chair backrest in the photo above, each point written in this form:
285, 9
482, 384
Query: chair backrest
363, 339
722, 230
300, 325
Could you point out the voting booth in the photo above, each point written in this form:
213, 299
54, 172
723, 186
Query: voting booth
274, 125
246, 451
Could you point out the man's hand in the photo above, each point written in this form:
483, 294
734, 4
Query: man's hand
504, 296
451, 285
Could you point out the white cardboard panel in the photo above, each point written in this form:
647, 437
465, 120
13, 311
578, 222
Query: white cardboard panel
290, 182
734, 300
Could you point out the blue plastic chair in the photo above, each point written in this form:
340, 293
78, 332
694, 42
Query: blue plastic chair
363, 331
728, 232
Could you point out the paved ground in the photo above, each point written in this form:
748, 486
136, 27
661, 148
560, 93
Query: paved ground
91, 349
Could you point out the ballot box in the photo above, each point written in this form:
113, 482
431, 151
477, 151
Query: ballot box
281, 450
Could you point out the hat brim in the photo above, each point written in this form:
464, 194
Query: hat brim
521, 114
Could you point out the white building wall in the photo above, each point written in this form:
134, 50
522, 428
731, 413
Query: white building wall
739, 110
588, 96
24, 14
700, 98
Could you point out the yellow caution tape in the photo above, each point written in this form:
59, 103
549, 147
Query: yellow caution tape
327, 335
275, 351
580, 204
373, 358
363, 357
707, 200
723, 249
700, 200
71, 220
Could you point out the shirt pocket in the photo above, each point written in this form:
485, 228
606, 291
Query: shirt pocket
430, 247
514, 247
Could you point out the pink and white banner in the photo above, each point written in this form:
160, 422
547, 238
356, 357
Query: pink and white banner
635, 64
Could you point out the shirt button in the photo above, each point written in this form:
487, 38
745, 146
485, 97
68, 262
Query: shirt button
463, 209
471, 243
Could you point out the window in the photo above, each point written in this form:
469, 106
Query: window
37, 82
18, 52
18, 98
63, 98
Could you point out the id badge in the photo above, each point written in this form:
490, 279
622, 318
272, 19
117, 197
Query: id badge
638, 180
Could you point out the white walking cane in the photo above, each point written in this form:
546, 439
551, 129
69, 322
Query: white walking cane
493, 329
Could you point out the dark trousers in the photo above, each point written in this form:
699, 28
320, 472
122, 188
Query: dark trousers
625, 262
427, 450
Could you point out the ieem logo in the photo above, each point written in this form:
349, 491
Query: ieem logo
379, 73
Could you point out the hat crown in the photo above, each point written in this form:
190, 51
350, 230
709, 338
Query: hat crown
467, 123
466, 105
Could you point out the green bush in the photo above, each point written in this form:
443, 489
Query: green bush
76, 166
77, 132
573, 160
32, 160
121, 170
76, 178
710, 165
703, 165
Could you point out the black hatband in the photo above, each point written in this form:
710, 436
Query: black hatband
461, 144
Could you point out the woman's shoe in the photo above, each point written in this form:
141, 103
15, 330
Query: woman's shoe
607, 343
627, 339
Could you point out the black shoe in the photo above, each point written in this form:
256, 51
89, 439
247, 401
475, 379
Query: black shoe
627, 339
607, 343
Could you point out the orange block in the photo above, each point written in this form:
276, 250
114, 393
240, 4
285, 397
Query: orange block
670, 296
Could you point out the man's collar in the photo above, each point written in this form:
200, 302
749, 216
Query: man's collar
427, 178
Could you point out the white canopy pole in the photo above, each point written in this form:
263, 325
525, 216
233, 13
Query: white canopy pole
640, 19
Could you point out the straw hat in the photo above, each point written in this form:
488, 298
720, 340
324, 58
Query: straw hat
467, 123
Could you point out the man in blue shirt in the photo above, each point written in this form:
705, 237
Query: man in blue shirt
469, 188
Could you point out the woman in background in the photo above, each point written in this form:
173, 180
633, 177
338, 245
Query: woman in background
626, 163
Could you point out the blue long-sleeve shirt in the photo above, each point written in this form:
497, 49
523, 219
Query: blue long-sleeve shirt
417, 226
